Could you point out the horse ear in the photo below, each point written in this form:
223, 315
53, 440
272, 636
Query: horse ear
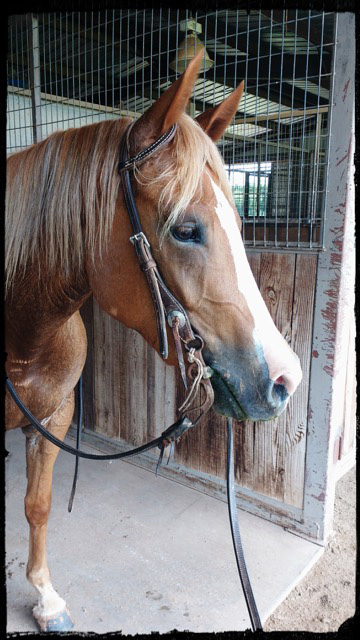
172, 103
215, 120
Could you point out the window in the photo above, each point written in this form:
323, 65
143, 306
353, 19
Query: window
250, 186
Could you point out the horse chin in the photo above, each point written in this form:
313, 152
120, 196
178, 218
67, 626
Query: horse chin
227, 403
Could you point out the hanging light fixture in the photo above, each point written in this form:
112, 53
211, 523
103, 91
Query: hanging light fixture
189, 47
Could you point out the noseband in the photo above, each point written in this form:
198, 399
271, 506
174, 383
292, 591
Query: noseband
167, 310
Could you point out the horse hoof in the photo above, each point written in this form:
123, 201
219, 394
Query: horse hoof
61, 621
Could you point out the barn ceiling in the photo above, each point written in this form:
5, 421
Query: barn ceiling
120, 59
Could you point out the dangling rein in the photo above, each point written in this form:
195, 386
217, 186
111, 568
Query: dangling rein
167, 307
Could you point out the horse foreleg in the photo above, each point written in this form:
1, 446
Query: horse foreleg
51, 612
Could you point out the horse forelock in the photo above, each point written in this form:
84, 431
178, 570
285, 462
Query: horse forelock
180, 178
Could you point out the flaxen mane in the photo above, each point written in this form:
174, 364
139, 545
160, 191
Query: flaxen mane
61, 192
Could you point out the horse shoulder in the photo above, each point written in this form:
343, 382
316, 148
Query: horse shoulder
43, 383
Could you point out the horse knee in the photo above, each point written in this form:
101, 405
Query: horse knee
37, 512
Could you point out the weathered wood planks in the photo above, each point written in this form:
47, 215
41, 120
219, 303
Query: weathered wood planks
135, 394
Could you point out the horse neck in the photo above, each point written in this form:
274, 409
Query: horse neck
37, 310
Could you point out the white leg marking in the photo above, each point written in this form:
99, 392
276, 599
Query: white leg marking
49, 603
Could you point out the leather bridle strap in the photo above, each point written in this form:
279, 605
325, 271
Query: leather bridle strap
138, 239
125, 164
166, 306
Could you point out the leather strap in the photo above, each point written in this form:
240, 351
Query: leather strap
163, 300
171, 433
78, 442
235, 532
165, 304
126, 164
140, 242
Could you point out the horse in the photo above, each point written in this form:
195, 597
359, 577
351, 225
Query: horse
67, 237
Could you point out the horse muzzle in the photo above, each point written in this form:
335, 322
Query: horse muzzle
245, 391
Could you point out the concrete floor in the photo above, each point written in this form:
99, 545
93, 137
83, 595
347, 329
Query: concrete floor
142, 554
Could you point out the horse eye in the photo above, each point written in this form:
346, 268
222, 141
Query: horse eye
186, 233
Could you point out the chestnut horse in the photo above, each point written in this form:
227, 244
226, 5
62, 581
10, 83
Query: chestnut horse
67, 237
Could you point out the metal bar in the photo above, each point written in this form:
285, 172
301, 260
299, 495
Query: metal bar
225, 61
290, 145
127, 59
34, 71
105, 60
317, 138
278, 148
232, 174
44, 71
113, 60
315, 175
61, 67
324, 202
215, 52
244, 142
267, 131
285, 248
255, 136
86, 73
98, 57
120, 57
301, 180
159, 52
135, 49
293, 113
92, 56
79, 74
151, 49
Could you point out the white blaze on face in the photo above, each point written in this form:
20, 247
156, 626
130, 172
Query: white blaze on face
281, 360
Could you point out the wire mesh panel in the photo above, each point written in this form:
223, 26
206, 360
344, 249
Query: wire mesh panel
70, 69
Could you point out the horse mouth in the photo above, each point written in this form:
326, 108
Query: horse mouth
225, 401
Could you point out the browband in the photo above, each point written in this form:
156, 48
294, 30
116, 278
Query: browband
141, 156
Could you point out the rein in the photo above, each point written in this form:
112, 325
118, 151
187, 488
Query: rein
167, 310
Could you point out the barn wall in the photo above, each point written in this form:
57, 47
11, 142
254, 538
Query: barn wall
134, 394
55, 115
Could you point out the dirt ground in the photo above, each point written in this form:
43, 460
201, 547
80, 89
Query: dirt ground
326, 596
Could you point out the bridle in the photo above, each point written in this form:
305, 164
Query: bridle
196, 376
167, 308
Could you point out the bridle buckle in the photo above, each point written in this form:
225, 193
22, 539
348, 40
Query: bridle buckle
139, 236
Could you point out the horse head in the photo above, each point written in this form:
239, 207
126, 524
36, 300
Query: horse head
189, 217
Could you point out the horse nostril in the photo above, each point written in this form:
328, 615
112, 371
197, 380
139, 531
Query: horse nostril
290, 382
279, 390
